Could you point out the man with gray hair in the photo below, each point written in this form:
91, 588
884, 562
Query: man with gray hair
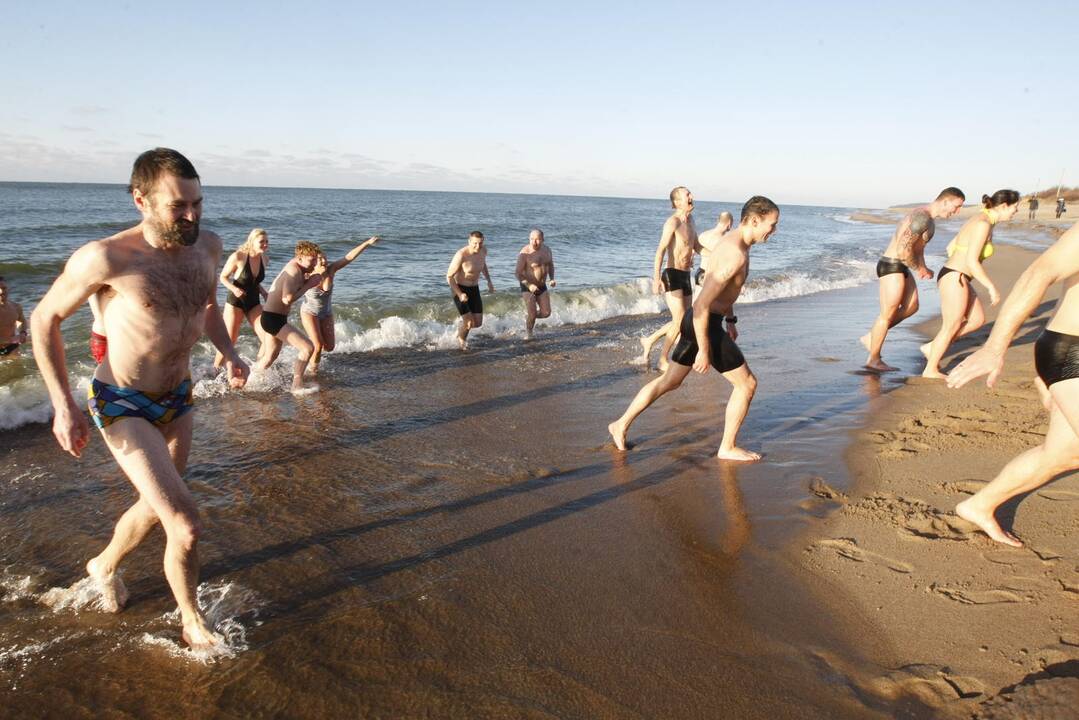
535, 266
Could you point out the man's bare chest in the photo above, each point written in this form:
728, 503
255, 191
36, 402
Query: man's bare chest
166, 287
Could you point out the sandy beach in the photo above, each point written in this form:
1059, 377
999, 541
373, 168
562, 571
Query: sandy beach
968, 626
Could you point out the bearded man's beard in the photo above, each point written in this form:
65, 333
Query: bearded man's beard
173, 234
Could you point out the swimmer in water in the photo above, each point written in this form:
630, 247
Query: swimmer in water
961, 312
12, 324
905, 252
535, 267
297, 277
242, 276
463, 277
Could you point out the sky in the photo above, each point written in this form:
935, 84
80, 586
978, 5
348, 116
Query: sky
829, 103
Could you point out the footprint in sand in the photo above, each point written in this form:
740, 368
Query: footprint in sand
1059, 495
978, 597
848, 548
965, 487
934, 525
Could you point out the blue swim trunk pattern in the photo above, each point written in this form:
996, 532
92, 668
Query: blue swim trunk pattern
108, 403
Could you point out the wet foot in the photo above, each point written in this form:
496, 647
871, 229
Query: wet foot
737, 454
113, 592
925, 348
987, 523
618, 434
198, 636
462, 343
935, 375
864, 340
645, 347
880, 366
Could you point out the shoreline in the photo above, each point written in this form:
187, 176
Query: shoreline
963, 624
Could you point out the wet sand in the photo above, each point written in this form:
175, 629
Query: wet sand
452, 535
968, 625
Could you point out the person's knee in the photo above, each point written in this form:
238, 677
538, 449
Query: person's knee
541, 313
329, 345
305, 349
912, 307
184, 529
477, 321
747, 384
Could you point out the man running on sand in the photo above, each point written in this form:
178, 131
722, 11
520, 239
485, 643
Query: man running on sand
156, 285
12, 323
298, 276
1056, 358
906, 252
703, 342
535, 265
463, 277
677, 242
707, 242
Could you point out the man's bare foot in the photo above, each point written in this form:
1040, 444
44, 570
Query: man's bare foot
934, 375
880, 366
986, 522
113, 592
925, 348
1043, 393
737, 454
618, 434
312, 370
462, 343
864, 340
198, 636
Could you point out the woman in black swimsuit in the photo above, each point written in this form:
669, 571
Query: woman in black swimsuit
243, 274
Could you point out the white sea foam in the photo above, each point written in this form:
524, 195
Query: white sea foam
229, 608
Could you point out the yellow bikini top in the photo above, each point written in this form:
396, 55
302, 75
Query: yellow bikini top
987, 249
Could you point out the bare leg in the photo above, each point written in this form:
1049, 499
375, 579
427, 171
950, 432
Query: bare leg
678, 303
303, 346
669, 380
463, 329
745, 386
268, 351
955, 298
329, 335
150, 461
898, 301
313, 329
1033, 468
648, 342
234, 318
530, 313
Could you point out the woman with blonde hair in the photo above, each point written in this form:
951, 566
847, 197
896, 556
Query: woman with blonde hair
242, 275
960, 309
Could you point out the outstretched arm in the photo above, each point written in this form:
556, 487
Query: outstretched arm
1058, 262
84, 274
352, 254
295, 285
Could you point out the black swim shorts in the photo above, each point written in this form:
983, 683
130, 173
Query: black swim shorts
474, 304
1056, 357
888, 266
675, 280
273, 322
725, 353
540, 289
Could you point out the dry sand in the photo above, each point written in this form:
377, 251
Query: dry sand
972, 627
1044, 220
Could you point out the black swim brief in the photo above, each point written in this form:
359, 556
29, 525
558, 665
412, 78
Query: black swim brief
725, 353
1056, 356
540, 289
945, 270
273, 322
889, 266
474, 303
675, 280
8, 349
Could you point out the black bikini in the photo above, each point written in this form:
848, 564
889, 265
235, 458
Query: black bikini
1056, 356
250, 285
945, 270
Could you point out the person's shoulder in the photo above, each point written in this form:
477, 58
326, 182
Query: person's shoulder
525, 250
212, 240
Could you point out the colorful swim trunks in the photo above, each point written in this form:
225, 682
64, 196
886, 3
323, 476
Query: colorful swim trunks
109, 403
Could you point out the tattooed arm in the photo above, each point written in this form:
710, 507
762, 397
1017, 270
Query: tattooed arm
914, 232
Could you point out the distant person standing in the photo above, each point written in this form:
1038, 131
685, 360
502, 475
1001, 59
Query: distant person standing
1060, 207
906, 252
316, 312
677, 243
12, 323
463, 277
1033, 202
535, 266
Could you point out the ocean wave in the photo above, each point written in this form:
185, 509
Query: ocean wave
14, 269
